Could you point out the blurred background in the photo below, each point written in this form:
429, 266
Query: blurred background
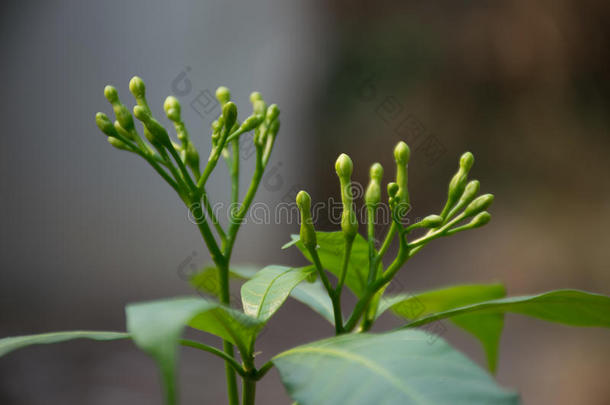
524, 85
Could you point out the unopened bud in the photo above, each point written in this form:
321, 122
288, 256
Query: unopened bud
431, 221
466, 161
137, 87
402, 153
229, 113
479, 204
480, 219
172, 108
117, 143
392, 189
223, 95
192, 157
373, 191
344, 168
105, 125
255, 96
155, 130
308, 232
250, 123
272, 112
120, 111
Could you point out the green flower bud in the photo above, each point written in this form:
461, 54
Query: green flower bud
272, 113
308, 232
274, 128
111, 94
392, 189
120, 111
402, 153
157, 133
137, 87
466, 161
117, 143
373, 190
480, 219
259, 107
255, 96
457, 184
470, 192
229, 114
479, 204
172, 108
401, 156
344, 167
223, 95
431, 221
105, 125
122, 131
250, 123
349, 223
192, 157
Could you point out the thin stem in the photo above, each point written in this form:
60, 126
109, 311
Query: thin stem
185, 174
345, 262
264, 370
235, 172
214, 219
388, 240
335, 295
201, 346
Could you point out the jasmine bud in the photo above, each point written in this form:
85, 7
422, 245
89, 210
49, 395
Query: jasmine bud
308, 232
479, 204
155, 130
349, 223
137, 88
255, 96
250, 123
458, 182
172, 109
105, 125
431, 221
121, 112
480, 219
117, 143
192, 157
372, 195
122, 131
229, 113
402, 154
470, 192
272, 113
223, 95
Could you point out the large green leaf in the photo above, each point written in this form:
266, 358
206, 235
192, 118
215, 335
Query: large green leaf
571, 307
208, 279
265, 293
331, 246
399, 367
315, 296
156, 328
9, 344
485, 327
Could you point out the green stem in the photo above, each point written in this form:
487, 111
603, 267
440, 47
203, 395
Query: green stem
335, 295
231, 360
388, 240
235, 172
248, 391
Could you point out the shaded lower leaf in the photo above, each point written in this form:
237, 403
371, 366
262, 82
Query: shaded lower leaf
10, 344
487, 328
265, 293
399, 367
314, 295
570, 307
208, 279
156, 328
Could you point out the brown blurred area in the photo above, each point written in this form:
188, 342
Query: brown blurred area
523, 85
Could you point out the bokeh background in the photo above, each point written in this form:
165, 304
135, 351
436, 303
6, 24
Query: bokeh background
85, 229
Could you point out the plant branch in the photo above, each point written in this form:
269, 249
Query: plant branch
201, 346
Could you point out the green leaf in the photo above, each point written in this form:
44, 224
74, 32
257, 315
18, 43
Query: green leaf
315, 296
9, 344
156, 327
331, 246
399, 367
487, 328
264, 294
208, 280
570, 307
